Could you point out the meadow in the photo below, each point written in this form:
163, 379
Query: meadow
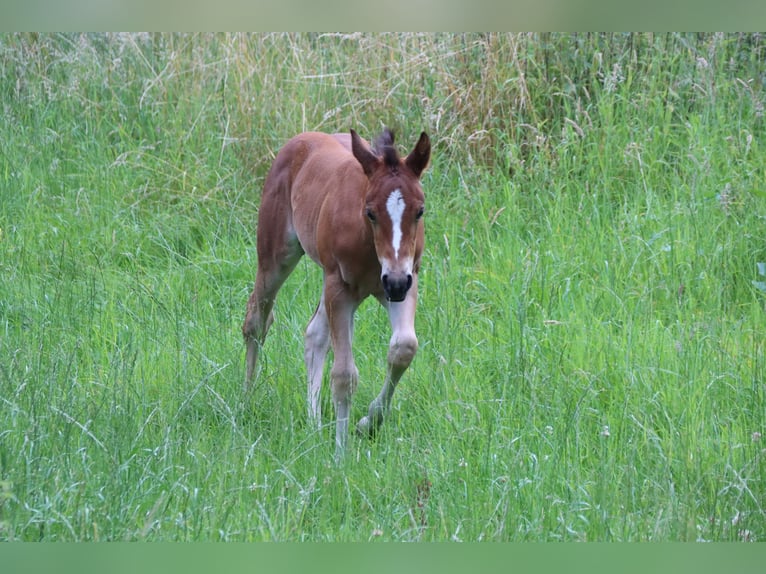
592, 364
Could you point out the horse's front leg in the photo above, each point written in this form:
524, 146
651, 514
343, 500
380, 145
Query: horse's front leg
340, 307
401, 351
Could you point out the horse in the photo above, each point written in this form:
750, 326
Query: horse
357, 211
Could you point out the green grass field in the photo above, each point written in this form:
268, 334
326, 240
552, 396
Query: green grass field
592, 363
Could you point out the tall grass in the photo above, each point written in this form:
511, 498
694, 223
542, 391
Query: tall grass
591, 317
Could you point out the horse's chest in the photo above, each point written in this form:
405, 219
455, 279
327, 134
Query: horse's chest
363, 280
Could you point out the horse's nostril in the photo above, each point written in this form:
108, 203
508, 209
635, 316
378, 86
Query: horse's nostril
396, 287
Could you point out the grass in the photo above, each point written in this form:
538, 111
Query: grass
591, 319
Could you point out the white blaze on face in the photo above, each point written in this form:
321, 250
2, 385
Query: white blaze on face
395, 208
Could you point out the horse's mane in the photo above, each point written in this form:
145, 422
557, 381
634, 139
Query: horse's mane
384, 148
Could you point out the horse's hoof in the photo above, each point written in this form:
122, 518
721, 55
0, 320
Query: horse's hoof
364, 428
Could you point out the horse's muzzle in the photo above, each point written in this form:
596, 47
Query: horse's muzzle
395, 287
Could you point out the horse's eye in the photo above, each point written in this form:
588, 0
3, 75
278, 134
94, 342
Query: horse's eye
370, 215
419, 213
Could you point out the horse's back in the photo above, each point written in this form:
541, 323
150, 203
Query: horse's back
318, 163
344, 140
320, 143
315, 177
304, 157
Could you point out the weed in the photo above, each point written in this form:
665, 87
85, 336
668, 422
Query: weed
591, 309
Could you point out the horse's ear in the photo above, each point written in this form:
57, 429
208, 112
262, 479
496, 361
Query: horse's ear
418, 158
368, 160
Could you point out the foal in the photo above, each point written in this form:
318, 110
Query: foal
356, 212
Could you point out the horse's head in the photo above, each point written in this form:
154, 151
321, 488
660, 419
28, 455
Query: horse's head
394, 207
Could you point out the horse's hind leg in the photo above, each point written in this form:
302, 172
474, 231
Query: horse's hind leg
317, 343
401, 351
276, 260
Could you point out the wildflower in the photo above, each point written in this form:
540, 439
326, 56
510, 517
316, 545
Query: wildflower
614, 79
746, 535
726, 198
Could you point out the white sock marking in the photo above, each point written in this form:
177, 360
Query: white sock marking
395, 207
